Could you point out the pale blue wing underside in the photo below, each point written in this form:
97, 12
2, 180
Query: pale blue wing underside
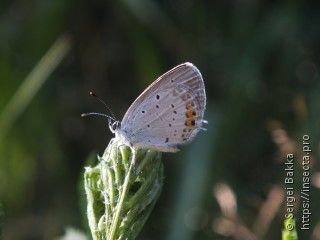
168, 113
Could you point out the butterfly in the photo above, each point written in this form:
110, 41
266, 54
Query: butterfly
167, 114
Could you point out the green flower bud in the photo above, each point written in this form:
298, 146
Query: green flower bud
122, 191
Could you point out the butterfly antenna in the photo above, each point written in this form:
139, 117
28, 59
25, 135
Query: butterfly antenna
97, 97
94, 113
99, 114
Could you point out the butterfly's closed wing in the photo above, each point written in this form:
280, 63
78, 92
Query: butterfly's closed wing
168, 113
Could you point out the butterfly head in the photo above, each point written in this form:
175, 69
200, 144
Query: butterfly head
114, 126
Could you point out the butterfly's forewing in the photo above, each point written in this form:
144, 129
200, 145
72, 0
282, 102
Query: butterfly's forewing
169, 112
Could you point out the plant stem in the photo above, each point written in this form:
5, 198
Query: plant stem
122, 198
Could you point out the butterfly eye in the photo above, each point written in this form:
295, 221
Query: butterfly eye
116, 125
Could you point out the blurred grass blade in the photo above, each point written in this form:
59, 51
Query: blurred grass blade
32, 84
1, 221
289, 232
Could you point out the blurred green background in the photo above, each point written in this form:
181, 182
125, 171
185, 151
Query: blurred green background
260, 63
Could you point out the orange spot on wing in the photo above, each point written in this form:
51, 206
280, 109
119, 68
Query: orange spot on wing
190, 123
191, 115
